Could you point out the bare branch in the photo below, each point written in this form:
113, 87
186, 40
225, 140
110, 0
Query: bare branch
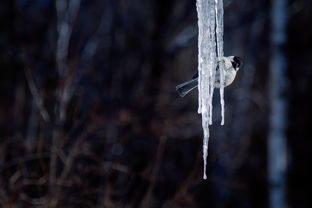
38, 99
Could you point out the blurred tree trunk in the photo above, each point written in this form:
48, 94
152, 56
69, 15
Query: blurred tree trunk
277, 150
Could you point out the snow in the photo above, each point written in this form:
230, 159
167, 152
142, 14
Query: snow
210, 46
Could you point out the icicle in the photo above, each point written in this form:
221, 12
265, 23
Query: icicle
219, 36
210, 46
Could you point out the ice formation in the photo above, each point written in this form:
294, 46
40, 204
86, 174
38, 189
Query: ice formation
210, 47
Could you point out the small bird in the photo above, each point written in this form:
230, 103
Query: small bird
231, 66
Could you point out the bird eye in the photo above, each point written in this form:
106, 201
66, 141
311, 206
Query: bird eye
237, 61
234, 64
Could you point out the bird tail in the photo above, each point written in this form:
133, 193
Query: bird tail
186, 87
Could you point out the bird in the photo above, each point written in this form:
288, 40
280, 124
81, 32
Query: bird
231, 65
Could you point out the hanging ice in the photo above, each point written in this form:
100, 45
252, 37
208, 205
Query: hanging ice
210, 47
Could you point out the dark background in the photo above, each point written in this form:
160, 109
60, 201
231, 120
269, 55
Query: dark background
90, 117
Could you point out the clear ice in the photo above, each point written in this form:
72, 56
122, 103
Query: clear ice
210, 48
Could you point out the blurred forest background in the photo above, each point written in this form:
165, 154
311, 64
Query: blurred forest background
89, 116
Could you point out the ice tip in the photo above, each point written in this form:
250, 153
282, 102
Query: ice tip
222, 122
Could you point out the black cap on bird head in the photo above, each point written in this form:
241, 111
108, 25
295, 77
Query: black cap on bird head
237, 62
